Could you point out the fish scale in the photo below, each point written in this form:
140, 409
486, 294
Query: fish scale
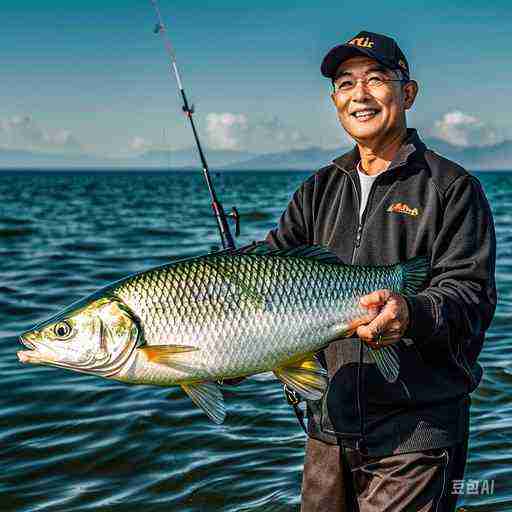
306, 297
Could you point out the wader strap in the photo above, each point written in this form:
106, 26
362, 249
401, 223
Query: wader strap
294, 399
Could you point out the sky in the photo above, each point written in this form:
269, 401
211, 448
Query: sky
92, 77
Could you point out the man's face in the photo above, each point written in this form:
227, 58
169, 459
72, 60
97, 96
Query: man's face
367, 112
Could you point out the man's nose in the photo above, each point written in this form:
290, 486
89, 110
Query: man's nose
360, 91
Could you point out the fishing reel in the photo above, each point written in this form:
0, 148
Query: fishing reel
233, 214
188, 110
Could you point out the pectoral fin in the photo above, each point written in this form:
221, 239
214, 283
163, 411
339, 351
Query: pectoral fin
387, 361
207, 396
174, 356
306, 377
165, 354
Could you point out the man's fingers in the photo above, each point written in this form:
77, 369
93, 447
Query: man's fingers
374, 299
390, 324
367, 334
379, 340
381, 325
365, 319
371, 314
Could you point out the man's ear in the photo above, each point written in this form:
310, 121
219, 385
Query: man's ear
410, 92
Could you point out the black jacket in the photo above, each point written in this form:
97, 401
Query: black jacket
423, 204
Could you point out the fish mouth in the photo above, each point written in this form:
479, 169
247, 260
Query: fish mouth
25, 339
29, 356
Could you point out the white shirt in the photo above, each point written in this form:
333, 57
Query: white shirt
366, 184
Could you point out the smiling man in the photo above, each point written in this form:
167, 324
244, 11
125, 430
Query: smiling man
396, 446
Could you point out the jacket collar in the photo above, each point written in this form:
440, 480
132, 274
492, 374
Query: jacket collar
412, 144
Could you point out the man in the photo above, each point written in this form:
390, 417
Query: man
374, 445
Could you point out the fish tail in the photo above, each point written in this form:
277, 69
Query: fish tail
414, 275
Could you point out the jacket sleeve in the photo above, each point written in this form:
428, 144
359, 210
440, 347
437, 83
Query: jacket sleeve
292, 229
459, 303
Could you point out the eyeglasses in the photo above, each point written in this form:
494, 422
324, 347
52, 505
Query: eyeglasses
372, 82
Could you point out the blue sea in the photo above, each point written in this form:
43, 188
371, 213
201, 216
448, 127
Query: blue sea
71, 442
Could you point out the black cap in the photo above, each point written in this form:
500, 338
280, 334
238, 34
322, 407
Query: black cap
381, 48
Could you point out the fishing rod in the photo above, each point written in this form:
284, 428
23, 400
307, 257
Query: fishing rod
218, 210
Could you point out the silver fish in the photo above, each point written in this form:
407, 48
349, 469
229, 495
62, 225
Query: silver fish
221, 316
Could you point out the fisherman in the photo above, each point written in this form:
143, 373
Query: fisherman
375, 445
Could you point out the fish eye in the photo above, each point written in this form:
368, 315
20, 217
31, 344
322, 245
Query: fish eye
62, 330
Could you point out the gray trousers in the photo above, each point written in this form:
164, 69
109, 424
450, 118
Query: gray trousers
344, 480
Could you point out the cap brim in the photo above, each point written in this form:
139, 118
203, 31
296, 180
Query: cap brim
340, 53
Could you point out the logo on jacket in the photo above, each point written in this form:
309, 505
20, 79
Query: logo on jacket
363, 42
403, 208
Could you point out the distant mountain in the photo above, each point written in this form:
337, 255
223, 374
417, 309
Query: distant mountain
186, 158
20, 159
496, 157
174, 159
302, 159
489, 157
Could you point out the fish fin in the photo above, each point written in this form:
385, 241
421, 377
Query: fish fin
306, 377
263, 249
414, 274
165, 354
207, 396
387, 361
259, 248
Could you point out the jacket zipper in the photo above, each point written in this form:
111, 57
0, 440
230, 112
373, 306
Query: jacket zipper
357, 243
359, 231
362, 219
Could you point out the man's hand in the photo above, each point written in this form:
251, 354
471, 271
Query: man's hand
390, 324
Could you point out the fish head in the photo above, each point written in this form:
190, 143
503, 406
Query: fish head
95, 338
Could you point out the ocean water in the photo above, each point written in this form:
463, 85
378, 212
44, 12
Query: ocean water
71, 442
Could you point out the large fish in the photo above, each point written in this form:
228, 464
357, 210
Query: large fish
221, 316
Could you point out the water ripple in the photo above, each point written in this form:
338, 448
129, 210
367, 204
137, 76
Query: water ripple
71, 442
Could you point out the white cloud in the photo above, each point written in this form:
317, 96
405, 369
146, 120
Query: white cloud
465, 130
140, 144
261, 134
276, 133
226, 130
22, 132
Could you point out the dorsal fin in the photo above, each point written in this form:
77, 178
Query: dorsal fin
304, 251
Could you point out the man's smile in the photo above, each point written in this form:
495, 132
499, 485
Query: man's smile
365, 114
